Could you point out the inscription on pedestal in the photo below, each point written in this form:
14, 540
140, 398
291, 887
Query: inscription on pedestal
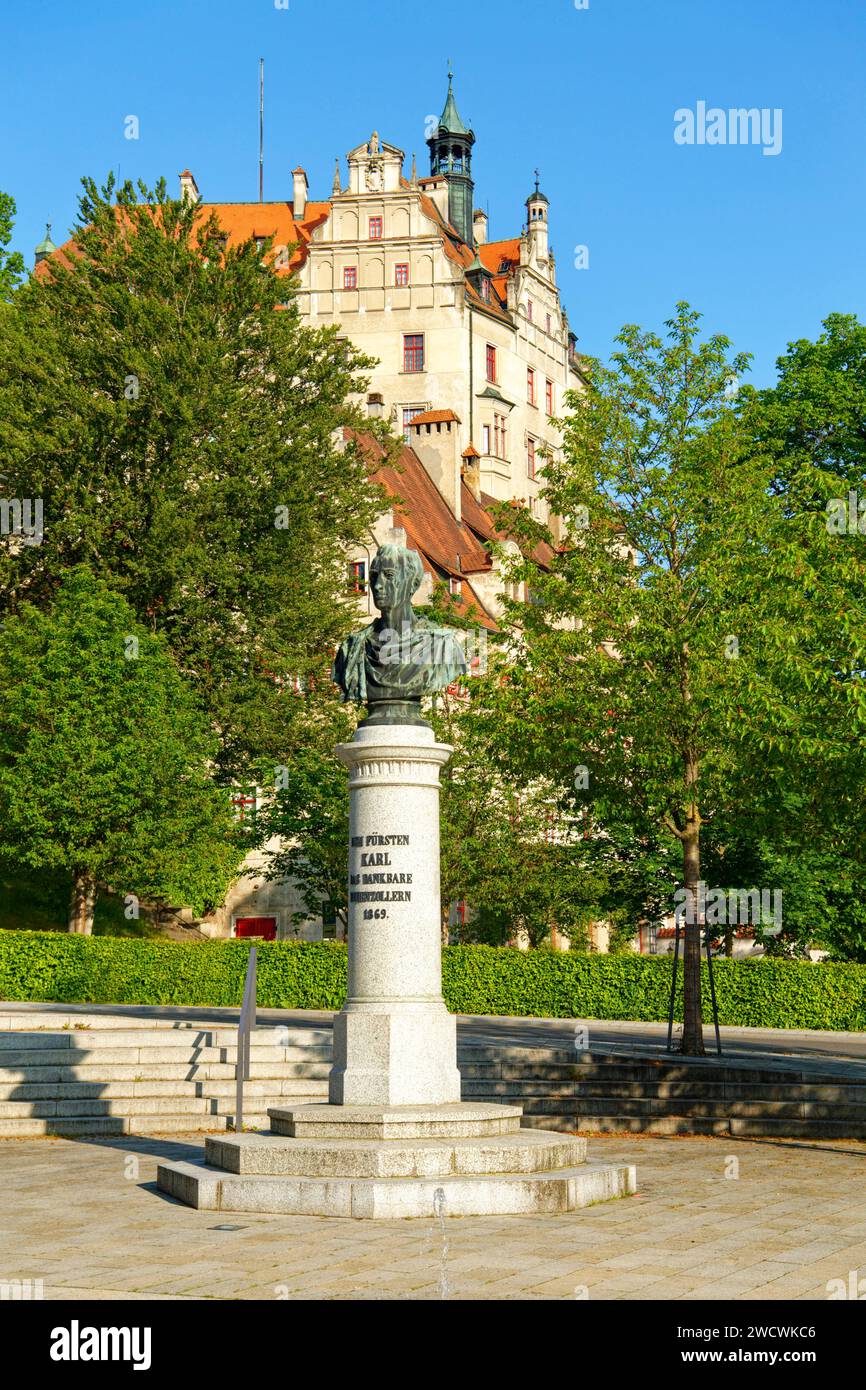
375, 876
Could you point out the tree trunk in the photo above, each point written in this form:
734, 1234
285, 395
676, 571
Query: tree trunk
693, 1031
82, 904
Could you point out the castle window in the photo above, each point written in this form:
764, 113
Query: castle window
491, 362
409, 413
530, 457
413, 352
530, 385
350, 277
401, 274
485, 439
375, 228
499, 436
548, 397
358, 577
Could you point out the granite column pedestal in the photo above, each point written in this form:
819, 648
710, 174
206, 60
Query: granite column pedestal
394, 1041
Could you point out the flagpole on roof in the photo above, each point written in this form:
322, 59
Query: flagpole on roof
261, 129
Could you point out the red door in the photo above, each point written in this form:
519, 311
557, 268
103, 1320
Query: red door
265, 927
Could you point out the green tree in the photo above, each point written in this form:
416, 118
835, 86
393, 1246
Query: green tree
185, 434
105, 758
640, 658
310, 815
11, 262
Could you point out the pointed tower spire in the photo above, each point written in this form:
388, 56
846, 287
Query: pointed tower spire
450, 118
46, 247
450, 148
414, 172
336, 185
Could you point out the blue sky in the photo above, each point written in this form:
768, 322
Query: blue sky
765, 246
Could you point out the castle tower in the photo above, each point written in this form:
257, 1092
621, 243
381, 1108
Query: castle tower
537, 225
451, 155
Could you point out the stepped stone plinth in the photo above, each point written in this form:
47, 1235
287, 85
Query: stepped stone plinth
388, 1164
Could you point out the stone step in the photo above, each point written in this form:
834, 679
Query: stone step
671, 1091
157, 1071
639, 1073
144, 1056
190, 1104
76, 1127
521, 1152
212, 1189
60, 1022
95, 1090
184, 1039
775, 1110
613, 1123
472, 1119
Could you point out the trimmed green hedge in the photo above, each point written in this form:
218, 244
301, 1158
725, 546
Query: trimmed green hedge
477, 980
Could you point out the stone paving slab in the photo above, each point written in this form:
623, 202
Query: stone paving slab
85, 1217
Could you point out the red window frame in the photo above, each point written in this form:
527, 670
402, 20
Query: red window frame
376, 228
358, 577
350, 277
530, 385
409, 413
491, 362
413, 352
548, 396
530, 457
401, 273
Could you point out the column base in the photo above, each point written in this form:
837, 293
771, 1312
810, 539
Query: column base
406, 1055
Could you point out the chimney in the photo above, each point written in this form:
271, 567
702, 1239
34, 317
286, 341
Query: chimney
299, 200
188, 188
375, 405
479, 226
436, 189
434, 435
472, 471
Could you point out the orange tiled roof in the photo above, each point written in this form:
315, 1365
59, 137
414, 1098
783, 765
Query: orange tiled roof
477, 516
446, 545
435, 417
245, 220
241, 221
457, 251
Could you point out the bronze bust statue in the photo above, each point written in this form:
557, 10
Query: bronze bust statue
398, 658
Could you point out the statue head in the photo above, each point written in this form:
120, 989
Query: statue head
395, 575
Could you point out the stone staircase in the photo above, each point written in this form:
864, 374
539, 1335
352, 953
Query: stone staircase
611, 1093
101, 1074
111, 1074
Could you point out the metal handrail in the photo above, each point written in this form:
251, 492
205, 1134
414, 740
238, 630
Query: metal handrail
246, 1023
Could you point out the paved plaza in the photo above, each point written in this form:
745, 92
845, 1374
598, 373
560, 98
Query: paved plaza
713, 1218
